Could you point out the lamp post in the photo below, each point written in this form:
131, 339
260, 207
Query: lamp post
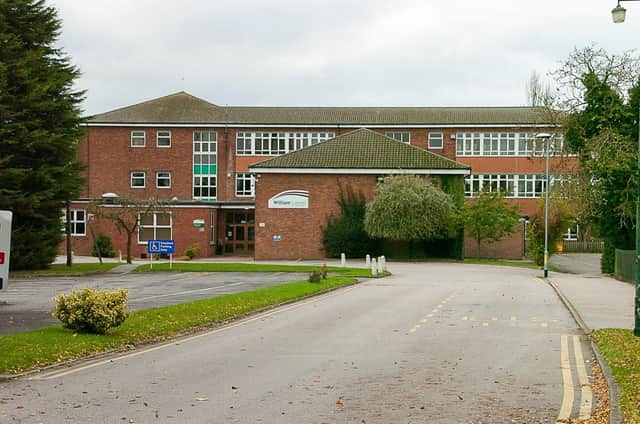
618, 14
547, 139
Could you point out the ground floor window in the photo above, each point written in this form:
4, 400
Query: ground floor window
77, 218
244, 185
154, 226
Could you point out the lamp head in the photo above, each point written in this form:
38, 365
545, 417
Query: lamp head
543, 136
618, 14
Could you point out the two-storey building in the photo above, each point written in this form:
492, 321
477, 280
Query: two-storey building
197, 158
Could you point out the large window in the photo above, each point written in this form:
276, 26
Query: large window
244, 185
510, 185
154, 226
276, 143
137, 138
404, 136
205, 149
163, 179
163, 139
436, 140
505, 144
77, 219
137, 179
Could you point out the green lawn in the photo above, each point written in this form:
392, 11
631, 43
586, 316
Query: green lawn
240, 267
63, 269
621, 350
52, 344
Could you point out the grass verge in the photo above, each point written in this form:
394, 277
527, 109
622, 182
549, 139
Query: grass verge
24, 351
63, 269
621, 350
240, 267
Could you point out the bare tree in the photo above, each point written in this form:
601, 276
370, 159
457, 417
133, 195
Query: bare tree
125, 213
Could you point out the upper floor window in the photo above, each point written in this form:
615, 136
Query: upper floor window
138, 139
506, 144
436, 140
137, 179
245, 185
77, 219
510, 185
273, 144
404, 136
163, 179
163, 139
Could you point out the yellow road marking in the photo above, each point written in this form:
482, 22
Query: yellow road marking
586, 395
567, 382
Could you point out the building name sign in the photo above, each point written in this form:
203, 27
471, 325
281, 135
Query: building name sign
290, 199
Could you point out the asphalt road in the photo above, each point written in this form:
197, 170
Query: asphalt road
434, 343
27, 304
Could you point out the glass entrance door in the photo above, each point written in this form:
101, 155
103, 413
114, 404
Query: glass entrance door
239, 233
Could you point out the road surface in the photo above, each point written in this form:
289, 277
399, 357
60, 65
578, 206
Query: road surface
434, 343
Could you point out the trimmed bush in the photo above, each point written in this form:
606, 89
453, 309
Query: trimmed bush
315, 277
91, 311
192, 251
103, 242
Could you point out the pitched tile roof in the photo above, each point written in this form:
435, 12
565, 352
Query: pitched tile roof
183, 108
361, 149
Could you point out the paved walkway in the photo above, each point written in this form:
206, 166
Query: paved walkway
601, 301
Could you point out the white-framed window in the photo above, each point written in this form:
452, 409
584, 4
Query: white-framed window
571, 233
205, 162
506, 144
138, 138
163, 179
511, 185
154, 226
273, 144
245, 185
138, 179
163, 139
436, 140
404, 136
77, 219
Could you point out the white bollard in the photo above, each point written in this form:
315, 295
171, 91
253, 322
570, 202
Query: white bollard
384, 263
374, 268
119, 255
367, 260
380, 265
343, 259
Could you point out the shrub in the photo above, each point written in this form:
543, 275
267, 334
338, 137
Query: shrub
345, 234
91, 311
103, 242
324, 271
192, 251
315, 277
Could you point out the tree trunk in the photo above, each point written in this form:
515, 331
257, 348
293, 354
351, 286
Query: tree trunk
95, 243
68, 234
478, 247
129, 234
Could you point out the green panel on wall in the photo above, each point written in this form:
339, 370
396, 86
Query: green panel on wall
204, 169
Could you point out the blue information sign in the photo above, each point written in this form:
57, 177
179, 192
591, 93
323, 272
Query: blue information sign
161, 246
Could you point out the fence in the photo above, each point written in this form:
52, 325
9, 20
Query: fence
578, 246
625, 268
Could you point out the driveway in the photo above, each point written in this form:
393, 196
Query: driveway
577, 263
28, 303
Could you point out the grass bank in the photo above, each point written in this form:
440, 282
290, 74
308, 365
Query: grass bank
55, 343
241, 267
60, 270
621, 350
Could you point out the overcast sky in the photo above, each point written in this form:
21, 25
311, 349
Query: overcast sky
330, 52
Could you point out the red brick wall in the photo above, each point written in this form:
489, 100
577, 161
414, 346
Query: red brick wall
510, 247
183, 233
301, 229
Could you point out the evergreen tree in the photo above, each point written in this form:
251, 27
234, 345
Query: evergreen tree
39, 130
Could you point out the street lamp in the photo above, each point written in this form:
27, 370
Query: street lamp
547, 139
618, 14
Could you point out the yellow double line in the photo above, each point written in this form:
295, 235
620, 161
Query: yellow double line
586, 396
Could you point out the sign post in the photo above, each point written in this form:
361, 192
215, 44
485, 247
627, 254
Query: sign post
5, 248
162, 247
